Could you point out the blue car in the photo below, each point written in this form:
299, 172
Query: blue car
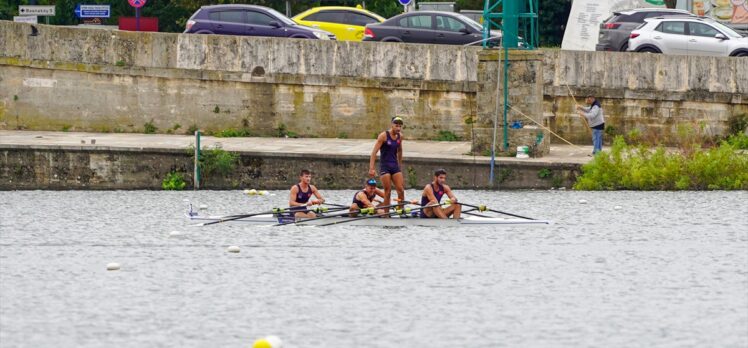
249, 20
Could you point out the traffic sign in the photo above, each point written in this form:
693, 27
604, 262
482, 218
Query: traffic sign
137, 3
26, 19
93, 11
405, 2
36, 10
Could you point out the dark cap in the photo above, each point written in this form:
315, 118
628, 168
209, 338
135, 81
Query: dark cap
398, 120
371, 182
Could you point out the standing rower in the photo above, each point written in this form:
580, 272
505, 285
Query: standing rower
300, 196
390, 147
365, 198
432, 194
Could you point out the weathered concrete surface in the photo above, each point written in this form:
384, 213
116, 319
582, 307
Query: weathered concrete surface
112, 81
58, 160
653, 93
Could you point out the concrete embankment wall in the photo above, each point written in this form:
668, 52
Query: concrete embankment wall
112, 81
98, 80
98, 167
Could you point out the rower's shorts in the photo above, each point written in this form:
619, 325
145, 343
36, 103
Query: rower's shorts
387, 168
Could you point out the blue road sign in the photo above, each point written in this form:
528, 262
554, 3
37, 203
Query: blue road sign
93, 11
405, 2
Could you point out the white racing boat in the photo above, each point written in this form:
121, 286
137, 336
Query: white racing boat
394, 221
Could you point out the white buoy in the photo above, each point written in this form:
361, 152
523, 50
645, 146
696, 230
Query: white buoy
582, 201
262, 193
233, 249
618, 207
246, 192
274, 341
112, 266
175, 234
203, 206
252, 192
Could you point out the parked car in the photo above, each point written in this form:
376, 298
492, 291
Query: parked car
615, 31
430, 27
249, 20
347, 23
688, 35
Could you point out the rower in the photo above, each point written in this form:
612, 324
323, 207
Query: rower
432, 194
390, 148
365, 198
300, 196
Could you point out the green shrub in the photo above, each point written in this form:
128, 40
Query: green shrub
739, 141
628, 167
149, 127
445, 135
233, 133
217, 161
283, 132
174, 181
191, 130
544, 173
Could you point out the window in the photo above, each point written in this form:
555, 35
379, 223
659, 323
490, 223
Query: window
259, 18
327, 17
701, 29
359, 19
228, 16
678, 28
447, 23
418, 22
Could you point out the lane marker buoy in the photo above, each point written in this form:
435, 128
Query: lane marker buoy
268, 342
618, 207
582, 201
233, 249
112, 266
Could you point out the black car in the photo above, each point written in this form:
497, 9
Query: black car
429, 27
251, 21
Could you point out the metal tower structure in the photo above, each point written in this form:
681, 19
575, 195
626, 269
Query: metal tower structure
518, 22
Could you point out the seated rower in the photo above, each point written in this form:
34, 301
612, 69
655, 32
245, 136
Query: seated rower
365, 198
432, 194
300, 196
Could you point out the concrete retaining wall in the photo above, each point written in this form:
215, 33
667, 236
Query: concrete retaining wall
71, 167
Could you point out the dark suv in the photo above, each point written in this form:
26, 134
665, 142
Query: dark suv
615, 31
249, 20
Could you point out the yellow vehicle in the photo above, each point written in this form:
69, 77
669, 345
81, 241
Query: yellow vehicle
347, 23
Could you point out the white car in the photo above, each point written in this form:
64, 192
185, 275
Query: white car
687, 35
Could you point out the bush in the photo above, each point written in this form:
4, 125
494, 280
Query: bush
174, 181
149, 127
739, 141
217, 160
446, 135
233, 133
628, 167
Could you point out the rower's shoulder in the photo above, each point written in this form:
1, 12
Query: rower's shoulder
294, 187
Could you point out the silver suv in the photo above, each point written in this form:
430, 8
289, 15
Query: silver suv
614, 31
687, 35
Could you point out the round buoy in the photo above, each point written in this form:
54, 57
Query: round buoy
175, 234
246, 192
268, 342
203, 206
233, 249
263, 193
252, 192
112, 266
618, 207
582, 201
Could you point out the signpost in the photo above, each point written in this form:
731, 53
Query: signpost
93, 11
26, 19
405, 4
37, 10
137, 4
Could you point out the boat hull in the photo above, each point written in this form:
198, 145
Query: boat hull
395, 221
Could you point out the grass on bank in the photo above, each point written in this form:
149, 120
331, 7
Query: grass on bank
642, 167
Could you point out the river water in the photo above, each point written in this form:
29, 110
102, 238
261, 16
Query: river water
659, 270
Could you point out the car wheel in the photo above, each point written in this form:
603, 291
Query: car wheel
742, 54
648, 50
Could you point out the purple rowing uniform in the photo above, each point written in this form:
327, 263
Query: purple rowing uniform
437, 193
302, 197
388, 155
360, 204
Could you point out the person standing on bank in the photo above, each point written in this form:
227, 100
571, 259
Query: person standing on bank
390, 147
596, 121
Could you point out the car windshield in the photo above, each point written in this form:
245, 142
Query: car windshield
280, 17
725, 29
469, 22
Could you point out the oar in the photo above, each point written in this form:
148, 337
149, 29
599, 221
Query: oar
243, 216
337, 205
379, 215
484, 208
338, 215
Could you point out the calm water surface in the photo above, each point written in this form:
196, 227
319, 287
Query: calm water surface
664, 270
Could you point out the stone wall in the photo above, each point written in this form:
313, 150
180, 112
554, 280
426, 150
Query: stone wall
654, 93
70, 167
99, 80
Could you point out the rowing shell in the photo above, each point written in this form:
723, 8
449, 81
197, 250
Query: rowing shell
395, 221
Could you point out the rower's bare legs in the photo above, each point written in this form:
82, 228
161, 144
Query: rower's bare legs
354, 210
387, 186
303, 215
435, 211
453, 211
397, 179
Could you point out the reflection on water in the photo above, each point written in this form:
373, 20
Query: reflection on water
666, 269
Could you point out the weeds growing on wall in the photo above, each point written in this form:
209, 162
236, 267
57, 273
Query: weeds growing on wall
642, 167
174, 182
217, 161
233, 133
445, 135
